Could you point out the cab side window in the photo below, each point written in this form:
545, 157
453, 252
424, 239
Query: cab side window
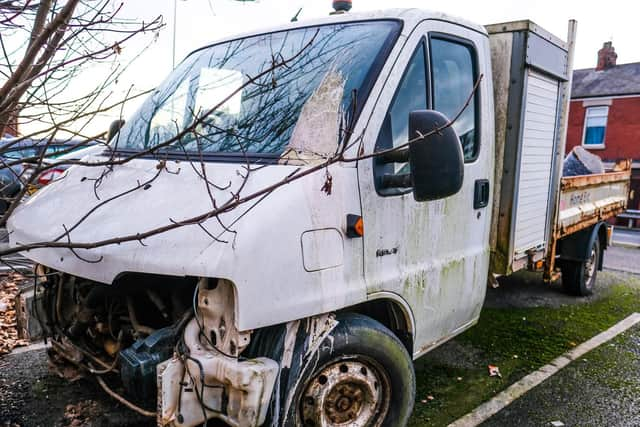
453, 77
411, 95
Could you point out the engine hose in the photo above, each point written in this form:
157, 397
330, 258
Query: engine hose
124, 401
134, 320
59, 300
64, 352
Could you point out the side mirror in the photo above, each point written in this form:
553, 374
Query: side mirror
114, 128
437, 164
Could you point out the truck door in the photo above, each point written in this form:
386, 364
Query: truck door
433, 255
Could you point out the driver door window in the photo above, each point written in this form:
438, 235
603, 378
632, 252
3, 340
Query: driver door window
453, 76
411, 95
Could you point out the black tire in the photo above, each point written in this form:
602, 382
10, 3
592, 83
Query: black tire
579, 278
365, 349
4, 205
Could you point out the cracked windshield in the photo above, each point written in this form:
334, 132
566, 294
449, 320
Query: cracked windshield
246, 96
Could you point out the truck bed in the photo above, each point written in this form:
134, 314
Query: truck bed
588, 199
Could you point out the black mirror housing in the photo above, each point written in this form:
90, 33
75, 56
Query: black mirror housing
437, 163
114, 128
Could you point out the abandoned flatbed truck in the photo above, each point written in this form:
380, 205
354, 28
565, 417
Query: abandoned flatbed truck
307, 306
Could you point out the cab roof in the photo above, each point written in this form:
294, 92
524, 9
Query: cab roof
410, 18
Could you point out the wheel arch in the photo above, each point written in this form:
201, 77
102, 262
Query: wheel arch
392, 311
577, 246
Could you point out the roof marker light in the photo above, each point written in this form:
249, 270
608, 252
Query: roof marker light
342, 6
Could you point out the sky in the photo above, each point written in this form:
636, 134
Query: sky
200, 22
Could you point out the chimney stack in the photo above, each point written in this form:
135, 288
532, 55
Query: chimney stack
607, 57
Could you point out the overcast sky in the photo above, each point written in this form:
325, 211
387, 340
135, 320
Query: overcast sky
200, 22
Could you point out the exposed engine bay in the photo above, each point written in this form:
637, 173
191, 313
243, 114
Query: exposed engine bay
166, 347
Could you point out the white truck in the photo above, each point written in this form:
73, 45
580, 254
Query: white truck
307, 306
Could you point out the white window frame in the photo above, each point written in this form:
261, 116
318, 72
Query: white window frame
586, 120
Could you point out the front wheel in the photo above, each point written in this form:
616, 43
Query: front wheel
579, 278
361, 376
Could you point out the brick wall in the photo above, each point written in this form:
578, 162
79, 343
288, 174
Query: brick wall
622, 139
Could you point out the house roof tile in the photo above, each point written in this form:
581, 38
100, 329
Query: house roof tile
622, 79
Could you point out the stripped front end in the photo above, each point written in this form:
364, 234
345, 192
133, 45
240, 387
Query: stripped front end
170, 343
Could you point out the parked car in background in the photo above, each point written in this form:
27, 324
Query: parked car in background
59, 167
29, 151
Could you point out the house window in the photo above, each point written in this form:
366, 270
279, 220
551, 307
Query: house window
595, 127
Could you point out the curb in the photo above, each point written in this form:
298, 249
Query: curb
627, 245
619, 270
518, 389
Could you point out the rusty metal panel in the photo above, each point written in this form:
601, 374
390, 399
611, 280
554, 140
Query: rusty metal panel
589, 199
501, 48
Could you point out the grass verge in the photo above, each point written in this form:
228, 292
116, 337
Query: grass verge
518, 341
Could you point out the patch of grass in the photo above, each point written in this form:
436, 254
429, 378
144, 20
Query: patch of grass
518, 341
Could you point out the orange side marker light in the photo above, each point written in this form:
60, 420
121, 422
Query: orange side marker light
355, 226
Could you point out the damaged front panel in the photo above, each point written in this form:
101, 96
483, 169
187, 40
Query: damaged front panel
183, 349
208, 383
206, 378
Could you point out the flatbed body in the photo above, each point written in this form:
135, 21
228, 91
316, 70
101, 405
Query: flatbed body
588, 199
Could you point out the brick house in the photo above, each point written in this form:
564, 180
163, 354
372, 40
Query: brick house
604, 116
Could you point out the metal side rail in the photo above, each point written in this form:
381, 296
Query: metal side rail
631, 215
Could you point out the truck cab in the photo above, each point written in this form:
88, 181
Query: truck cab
288, 221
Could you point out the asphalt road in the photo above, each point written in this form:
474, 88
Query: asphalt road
626, 259
601, 389
33, 396
626, 236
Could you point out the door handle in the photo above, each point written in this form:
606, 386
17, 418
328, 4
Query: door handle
481, 194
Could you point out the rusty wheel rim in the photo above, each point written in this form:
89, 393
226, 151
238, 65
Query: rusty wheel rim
353, 393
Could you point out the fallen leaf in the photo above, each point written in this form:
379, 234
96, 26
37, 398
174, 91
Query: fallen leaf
494, 371
9, 290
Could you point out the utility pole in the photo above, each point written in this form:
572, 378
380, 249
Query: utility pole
175, 27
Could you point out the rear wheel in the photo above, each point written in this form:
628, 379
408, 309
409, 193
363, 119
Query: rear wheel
579, 278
